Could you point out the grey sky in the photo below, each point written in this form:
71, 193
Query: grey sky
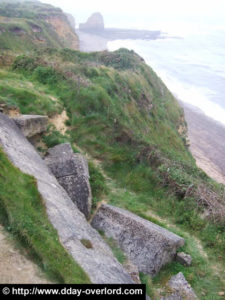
141, 13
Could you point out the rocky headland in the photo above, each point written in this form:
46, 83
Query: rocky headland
94, 35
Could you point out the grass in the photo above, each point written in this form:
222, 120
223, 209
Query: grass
206, 272
28, 97
122, 115
27, 26
22, 212
203, 274
98, 184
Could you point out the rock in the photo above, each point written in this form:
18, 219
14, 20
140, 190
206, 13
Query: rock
184, 259
31, 125
146, 244
180, 288
98, 261
35, 28
71, 171
10, 110
133, 271
94, 23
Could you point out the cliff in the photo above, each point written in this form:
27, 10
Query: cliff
115, 112
32, 25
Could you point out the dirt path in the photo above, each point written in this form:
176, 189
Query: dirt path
16, 267
59, 121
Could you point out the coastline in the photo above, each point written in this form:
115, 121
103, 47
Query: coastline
206, 136
207, 142
91, 42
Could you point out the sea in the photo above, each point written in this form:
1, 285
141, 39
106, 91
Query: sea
192, 66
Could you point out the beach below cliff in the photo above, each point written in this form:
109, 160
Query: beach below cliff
207, 142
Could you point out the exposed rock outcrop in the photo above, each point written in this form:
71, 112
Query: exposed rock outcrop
98, 261
94, 23
71, 171
184, 259
31, 125
9, 110
133, 271
64, 30
35, 28
146, 244
181, 289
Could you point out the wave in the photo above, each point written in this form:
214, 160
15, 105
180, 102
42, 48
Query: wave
195, 96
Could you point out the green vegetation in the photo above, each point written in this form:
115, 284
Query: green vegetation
134, 132
30, 25
54, 137
123, 116
29, 98
23, 213
87, 243
26, 9
98, 184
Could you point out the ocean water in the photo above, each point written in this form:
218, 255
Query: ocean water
192, 67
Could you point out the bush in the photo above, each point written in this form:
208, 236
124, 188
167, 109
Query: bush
54, 137
24, 64
120, 59
47, 75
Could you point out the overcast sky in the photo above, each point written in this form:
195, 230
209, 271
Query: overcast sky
141, 13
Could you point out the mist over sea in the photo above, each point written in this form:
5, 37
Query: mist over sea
192, 67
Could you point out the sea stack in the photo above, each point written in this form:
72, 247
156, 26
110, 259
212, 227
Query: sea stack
94, 23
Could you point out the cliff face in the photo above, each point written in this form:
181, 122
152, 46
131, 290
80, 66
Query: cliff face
64, 30
118, 112
29, 25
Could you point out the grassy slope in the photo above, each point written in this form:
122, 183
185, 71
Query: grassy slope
28, 97
27, 26
122, 115
23, 213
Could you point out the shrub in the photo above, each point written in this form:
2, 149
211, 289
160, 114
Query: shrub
54, 137
24, 64
47, 75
